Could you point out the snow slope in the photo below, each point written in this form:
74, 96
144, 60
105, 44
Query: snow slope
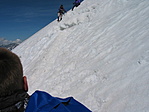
98, 53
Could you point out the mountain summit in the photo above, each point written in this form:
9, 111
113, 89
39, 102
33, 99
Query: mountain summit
98, 53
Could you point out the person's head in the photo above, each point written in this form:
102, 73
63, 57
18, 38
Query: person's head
11, 73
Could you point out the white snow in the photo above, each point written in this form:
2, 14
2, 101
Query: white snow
98, 53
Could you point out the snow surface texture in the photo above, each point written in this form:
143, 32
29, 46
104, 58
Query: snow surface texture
98, 53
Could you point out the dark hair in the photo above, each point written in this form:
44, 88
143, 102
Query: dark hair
11, 72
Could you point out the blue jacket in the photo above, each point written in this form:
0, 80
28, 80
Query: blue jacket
44, 102
77, 2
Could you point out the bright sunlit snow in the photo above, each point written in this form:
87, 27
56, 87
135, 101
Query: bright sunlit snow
98, 53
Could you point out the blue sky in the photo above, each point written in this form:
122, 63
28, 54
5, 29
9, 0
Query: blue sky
19, 19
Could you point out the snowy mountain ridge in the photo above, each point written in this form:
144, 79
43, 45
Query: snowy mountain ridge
9, 44
98, 53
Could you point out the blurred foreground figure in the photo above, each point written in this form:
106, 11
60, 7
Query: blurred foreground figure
14, 87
